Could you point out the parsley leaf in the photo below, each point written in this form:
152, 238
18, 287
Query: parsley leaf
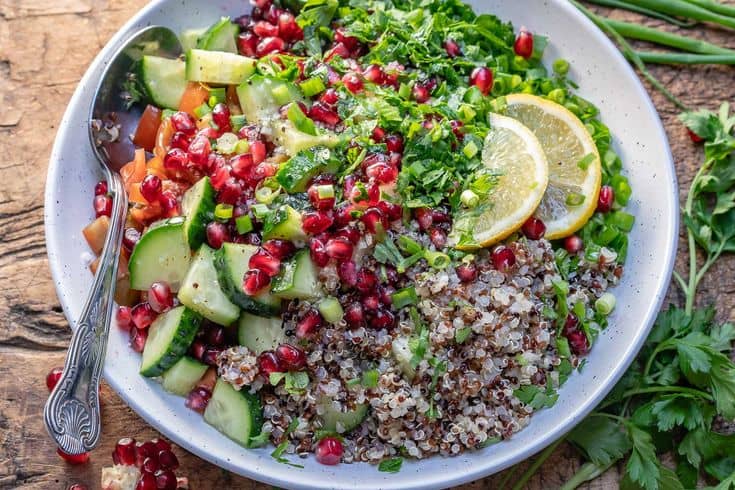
643, 466
602, 440
391, 465
536, 397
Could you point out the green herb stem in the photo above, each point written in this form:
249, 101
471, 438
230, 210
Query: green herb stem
585, 473
685, 58
643, 33
620, 4
536, 465
658, 389
681, 8
716, 7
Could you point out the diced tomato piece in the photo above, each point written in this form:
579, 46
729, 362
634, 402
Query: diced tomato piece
145, 133
96, 232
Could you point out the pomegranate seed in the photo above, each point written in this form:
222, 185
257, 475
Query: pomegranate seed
306, 327
150, 465
268, 363
221, 117
457, 129
122, 317
291, 357
53, 377
354, 315
329, 451
180, 141
578, 342
270, 45
390, 210
262, 4
146, 482
390, 274
279, 249
366, 280
199, 150
217, 234
144, 450
329, 97
250, 133
452, 48
183, 122
138, 339
420, 93
77, 486
524, 44
341, 37
353, 82
394, 143
215, 336
264, 170
176, 159
168, 459
482, 78
318, 252
370, 302
466, 272
160, 297
571, 324
254, 281
197, 399
100, 188
319, 203
503, 258
383, 173
322, 113
315, 222
694, 136
534, 228
130, 238
166, 480
385, 292
151, 188
343, 214
606, 199
230, 192
339, 248
73, 458
382, 319
374, 221
241, 166
258, 151
288, 28
438, 238
339, 49
262, 260
439, 216
373, 74
210, 356
378, 134
347, 272
573, 244
124, 452
247, 43
425, 218
102, 206
170, 204
265, 29
161, 444
373, 194
142, 315
349, 232
197, 349
208, 132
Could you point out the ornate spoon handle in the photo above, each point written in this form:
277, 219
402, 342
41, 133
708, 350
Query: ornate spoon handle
72, 412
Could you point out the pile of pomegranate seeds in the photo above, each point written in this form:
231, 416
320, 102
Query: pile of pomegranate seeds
149, 465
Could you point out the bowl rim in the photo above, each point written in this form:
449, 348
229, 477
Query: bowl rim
438, 480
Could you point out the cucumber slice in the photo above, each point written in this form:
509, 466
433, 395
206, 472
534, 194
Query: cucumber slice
331, 417
293, 141
260, 334
261, 97
164, 80
232, 263
201, 291
330, 309
183, 376
198, 207
237, 414
169, 338
298, 279
403, 355
162, 254
218, 67
220, 37
295, 173
189, 38
284, 223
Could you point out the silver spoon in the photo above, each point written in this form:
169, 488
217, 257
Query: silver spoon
72, 412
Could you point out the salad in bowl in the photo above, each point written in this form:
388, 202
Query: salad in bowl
368, 230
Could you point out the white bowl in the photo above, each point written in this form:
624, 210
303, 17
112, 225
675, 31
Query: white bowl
604, 77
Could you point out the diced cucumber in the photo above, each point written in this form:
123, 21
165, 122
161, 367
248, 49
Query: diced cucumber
404, 297
189, 38
261, 97
237, 414
169, 337
202, 292
161, 254
218, 67
284, 223
294, 174
220, 37
260, 334
347, 421
232, 263
331, 310
293, 141
198, 207
183, 376
164, 80
403, 355
298, 279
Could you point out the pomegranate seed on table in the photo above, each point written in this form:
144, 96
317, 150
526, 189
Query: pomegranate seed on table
329, 451
394, 143
100, 188
138, 338
123, 318
77, 486
347, 272
366, 280
573, 244
306, 327
467, 272
160, 297
370, 302
265, 29
53, 377
279, 249
183, 122
482, 78
606, 199
523, 45
269, 45
382, 319
142, 315
339, 248
168, 459
166, 480
262, 260
221, 117
151, 187
254, 281
150, 465
161, 444
247, 43
74, 459
452, 48
291, 357
197, 399
318, 252
131, 236
329, 97
353, 82
322, 113
217, 234
146, 482
268, 363
315, 222
534, 228
144, 450
503, 258
354, 315
124, 452
102, 206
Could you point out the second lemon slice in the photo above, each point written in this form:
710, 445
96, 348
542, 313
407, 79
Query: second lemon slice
514, 154
575, 171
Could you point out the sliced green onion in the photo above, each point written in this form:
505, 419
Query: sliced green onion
312, 86
331, 310
409, 245
352, 382
574, 199
325, 191
265, 195
606, 235
622, 220
300, 121
370, 378
202, 111
260, 211
167, 113
437, 260
404, 91
469, 198
404, 297
470, 149
558, 95
226, 143
237, 122
466, 113
281, 94
243, 224
216, 95
242, 146
561, 67
587, 160
605, 304
223, 211
515, 81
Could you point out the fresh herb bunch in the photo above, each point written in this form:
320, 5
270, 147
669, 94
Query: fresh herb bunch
683, 380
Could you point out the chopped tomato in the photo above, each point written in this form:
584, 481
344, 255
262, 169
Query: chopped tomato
155, 167
135, 171
163, 138
145, 133
96, 233
195, 95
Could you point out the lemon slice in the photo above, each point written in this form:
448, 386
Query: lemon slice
514, 154
575, 171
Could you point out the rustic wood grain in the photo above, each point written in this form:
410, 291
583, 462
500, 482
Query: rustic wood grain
44, 49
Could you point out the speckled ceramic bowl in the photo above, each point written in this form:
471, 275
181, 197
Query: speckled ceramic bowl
604, 78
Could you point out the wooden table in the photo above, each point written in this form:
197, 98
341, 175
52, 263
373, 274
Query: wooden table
44, 49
